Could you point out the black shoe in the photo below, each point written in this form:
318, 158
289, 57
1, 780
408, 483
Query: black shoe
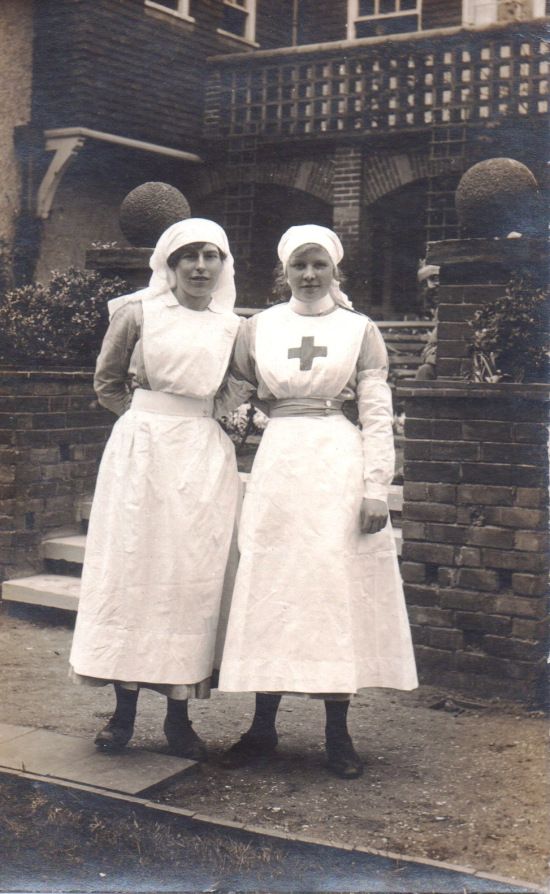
184, 742
342, 759
115, 736
250, 748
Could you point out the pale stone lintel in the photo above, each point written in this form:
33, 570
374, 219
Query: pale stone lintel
66, 142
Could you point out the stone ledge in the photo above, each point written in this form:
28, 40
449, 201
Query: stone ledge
450, 388
10, 374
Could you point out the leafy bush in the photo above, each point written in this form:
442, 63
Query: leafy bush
60, 324
511, 339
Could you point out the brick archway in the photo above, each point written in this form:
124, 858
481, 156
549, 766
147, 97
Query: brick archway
385, 173
312, 176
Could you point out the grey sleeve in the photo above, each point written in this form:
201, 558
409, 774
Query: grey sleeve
111, 372
241, 381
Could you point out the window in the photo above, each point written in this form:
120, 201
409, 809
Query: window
239, 19
178, 8
373, 18
484, 12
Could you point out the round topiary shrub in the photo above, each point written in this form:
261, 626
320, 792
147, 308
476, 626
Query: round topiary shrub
149, 209
60, 324
498, 196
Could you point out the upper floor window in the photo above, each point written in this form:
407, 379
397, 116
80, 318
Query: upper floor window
373, 18
176, 7
484, 12
239, 19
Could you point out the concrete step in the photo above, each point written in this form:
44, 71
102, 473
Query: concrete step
68, 549
51, 590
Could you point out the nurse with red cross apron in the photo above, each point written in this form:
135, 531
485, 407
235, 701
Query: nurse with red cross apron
318, 605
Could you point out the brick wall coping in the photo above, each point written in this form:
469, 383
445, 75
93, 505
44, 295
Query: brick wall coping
119, 256
509, 252
47, 375
476, 390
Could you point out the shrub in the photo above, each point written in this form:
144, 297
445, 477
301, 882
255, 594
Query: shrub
511, 339
60, 324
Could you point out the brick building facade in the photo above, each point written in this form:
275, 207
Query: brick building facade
359, 115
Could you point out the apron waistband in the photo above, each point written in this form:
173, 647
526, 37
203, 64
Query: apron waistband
167, 404
305, 406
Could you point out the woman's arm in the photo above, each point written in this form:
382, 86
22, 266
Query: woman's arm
376, 416
111, 372
240, 382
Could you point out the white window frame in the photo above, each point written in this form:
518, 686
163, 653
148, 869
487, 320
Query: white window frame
249, 36
182, 11
354, 17
486, 12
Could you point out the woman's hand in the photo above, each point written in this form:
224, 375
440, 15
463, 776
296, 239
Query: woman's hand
374, 515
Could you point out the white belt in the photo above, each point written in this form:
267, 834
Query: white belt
171, 404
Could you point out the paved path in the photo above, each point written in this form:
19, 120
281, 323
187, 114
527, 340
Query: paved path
48, 754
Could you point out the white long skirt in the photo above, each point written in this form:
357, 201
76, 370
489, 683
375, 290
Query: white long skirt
157, 546
317, 606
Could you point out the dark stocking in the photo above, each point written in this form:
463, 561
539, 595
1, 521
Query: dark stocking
263, 723
336, 729
126, 705
342, 759
177, 713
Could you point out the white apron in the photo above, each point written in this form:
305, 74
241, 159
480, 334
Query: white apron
163, 513
318, 607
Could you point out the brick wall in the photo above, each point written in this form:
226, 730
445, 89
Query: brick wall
15, 101
51, 440
118, 66
475, 554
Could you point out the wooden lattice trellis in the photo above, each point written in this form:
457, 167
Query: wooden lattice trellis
380, 87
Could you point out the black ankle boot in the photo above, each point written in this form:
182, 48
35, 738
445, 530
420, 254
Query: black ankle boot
120, 728
250, 748
342, 758
178, 729
183, 741
114, 736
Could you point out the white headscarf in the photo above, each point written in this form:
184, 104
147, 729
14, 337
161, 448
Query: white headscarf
163, 278
312, 234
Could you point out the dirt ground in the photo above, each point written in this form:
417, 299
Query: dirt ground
466, 785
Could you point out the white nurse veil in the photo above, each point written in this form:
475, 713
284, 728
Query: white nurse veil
163, 278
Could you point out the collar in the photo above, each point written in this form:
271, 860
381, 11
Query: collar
316, 308
170, 300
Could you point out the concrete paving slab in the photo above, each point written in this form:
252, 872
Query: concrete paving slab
9, 731
133, 771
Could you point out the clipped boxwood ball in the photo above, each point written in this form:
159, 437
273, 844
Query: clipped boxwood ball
496, 197
149, 209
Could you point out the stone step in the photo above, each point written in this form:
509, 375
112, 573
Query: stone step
67, 549
50, 590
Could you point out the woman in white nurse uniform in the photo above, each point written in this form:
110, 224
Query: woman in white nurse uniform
165, 500
318, 605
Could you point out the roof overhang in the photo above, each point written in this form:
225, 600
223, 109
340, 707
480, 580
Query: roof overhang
66, 143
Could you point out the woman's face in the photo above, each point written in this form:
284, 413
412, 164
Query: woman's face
309, 272
197, 273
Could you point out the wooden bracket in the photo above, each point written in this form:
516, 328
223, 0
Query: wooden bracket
65, 149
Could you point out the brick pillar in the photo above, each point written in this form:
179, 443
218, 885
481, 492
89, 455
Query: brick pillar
475, 550
475, 553
347, 189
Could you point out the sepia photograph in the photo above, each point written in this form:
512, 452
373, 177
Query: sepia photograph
274, 455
